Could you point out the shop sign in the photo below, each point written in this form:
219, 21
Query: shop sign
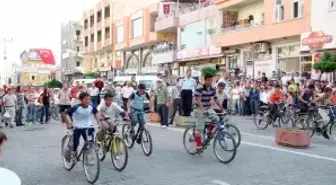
202, 52
316, 41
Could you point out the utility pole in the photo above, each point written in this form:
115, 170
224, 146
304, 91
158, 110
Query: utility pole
4, 42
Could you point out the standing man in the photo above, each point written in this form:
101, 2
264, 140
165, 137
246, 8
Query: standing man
177, 103
64, 98
126, 92
10, 105
188, 84
162, 100
74, 91
94, 94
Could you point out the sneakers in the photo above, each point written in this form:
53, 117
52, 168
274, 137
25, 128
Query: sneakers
163, 126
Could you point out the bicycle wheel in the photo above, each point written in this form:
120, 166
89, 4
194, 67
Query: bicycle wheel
223, 139
91, 163
127, 135
146, 139
119, 149
234, 131
189, 137
301, 122
332, 131
55, 114
66, 150
100, 149
261, 121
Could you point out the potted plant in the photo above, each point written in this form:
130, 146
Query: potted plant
251, 19
293, 137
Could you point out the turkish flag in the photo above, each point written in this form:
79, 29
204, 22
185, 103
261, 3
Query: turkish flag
46, 56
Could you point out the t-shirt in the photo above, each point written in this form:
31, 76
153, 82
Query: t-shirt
275, 97
45, 98
82, 117
111, 111
10, 100
74, 91
93, 91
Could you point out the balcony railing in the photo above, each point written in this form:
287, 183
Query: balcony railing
241, 27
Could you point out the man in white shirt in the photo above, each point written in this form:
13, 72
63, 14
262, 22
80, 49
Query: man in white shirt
10, 106
126, 92
188, 85
94, 93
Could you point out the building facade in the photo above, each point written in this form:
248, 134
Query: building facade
72, 51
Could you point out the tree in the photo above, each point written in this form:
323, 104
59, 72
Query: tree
327, 63
53, 83
209, 71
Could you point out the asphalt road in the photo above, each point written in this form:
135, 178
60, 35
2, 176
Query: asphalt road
34, 154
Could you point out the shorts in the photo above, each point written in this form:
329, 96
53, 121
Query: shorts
104, 127
63, 108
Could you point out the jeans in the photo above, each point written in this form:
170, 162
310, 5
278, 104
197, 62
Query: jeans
255, 103
31, 113
82, 132
45, 113
235, 105
163, 112
241, 107
138, 117
94, 100
177, 105
18, 117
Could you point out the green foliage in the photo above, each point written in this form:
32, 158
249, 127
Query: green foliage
327, 63
209, 71
89, 75
53, 83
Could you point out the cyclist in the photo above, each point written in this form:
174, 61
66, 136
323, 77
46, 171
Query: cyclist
108, 109
136, 107
306, 97
274, 100
82, 115
204, 95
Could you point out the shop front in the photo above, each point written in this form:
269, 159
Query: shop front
196, 59
314, 44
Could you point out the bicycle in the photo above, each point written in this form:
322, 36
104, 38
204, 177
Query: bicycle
307, 120
265, 115
220, 135
142, 136
114, 143
70, 158
327, 128
54, 111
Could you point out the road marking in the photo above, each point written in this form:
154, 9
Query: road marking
218, 182
267, 147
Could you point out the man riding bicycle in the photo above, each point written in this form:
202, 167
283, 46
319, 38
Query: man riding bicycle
82, 115
136, 107
108, 109
203, 110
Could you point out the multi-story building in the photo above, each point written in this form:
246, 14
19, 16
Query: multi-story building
263, 35
100, 33
71, 50
33, 70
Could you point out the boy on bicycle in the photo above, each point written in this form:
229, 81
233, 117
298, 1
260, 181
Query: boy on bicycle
203, 110
82, 115
108, 109
136, 106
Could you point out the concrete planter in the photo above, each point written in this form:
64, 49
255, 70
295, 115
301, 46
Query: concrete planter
293, 138
154, 117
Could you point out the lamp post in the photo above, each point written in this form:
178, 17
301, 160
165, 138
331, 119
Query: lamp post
5, 41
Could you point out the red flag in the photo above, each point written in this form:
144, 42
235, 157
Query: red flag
46, 56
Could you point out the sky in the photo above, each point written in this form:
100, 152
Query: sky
36, 24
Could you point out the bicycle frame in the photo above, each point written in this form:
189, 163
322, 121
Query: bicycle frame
218, 130
86, 143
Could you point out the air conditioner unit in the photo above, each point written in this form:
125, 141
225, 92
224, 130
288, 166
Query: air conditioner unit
261, 47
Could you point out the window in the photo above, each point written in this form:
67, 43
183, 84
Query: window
107, 33
86, 24
78, 63
77, 48
33, 77
332, 5
297, 9
107, 12
120, 34
99, 16
137, 27
77, 33
91, 20
279, 11
233, 61
99, 36
86, 42
91, 38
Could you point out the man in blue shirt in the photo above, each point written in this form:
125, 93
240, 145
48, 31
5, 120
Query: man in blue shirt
82, 115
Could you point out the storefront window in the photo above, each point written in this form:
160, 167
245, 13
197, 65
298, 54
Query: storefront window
306, 64
233, 62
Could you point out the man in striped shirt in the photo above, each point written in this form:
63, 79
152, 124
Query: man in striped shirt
204, 96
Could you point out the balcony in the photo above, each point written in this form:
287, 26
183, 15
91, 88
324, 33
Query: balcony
98, 46
210, 10
86, 49
137, 41
168, 23
91, 47
164, 57
107, 42
120, 46
153, 37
